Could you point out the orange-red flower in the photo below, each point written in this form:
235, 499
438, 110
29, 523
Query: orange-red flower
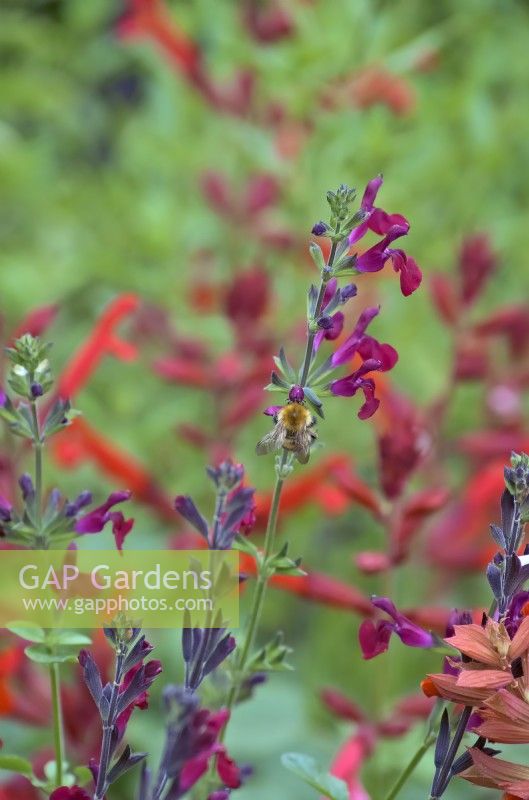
495, 773
482, 679
102, 341
150, 18
79, 443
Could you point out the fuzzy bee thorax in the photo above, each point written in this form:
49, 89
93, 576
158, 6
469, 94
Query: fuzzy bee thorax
294, 417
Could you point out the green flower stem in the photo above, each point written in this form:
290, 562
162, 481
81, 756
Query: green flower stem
108, 727
260, 588
411, 766
41, 543
312, 334
40, 540
58, 731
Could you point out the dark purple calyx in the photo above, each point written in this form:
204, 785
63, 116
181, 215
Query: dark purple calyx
296, 394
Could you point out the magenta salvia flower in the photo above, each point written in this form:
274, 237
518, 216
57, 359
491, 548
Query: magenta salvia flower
376, 357
366, 346
374, 259
3, 398
95, 520
191, 745
149, 672
69, 793
374, 637
391, 227
350, 385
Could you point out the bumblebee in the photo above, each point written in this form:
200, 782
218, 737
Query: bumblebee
292, 431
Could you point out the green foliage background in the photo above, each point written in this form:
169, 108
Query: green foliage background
100, 196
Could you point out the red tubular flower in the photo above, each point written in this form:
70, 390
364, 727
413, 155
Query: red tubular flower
316, 587
36, 322
247, 297
306, 487
150, 18
341, 706
477, 262
377, 86
404, 440
79, 442
417, 509
464, 521
444, 297
323, 589
9, 662
101, 342
18, 789
350, 759
267, 25
184, 371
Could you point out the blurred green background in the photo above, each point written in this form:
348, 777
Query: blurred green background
103, 146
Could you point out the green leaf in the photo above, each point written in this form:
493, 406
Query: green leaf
313, 400
243, 544
307, 769
16, 764
284, 366
278, 381
83, 775
27, 630
42, 655
71, 638
317, 256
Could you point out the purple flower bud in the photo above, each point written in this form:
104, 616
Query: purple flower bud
227, 475
36, 390
222, 651
347, 292
319, 229
325, 323
3, 398
296, 394
82, 500
5, 510
185, 506
26, 485
256, 680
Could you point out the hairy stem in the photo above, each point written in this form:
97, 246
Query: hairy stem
410, 767
312, 334
108, 727
58, 731
260, 588
40, 539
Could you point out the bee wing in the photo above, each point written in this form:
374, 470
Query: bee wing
273, 440
303, 442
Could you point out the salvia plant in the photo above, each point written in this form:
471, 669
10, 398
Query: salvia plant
194, 756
